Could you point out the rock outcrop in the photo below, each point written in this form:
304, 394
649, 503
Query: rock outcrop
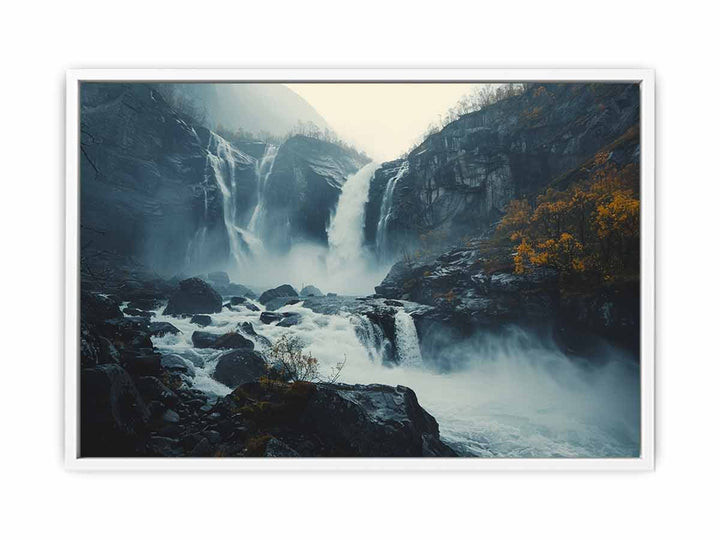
192, 297
231, 340
278, 292
468, 290
239, 367
150, 188
333, 420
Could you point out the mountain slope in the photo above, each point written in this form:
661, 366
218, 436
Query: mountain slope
253, 107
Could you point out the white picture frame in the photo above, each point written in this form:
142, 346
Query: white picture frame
646, 79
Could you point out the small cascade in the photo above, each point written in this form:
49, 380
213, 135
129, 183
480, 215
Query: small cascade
222, 164
345, 232
386, 208
372, 338
264, 169
406, 340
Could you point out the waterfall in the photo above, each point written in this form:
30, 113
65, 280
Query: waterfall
345, 232
222, 164
264, 169
406, 340
372, 338
386, 207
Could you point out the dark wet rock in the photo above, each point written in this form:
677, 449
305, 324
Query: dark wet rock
161, 329
153, 389
174, 362
276, 303
331, 294
269, 317
335, 420
113, 415
145, 304
241, 302
165, 447
239, 367
278, 449
96, 349
285, 319
249, 331
290, 319
171, 417
277, 292
143, 362
194, 296
231, 340
96, 308
375, 420
310, 290
202, 449
201, 320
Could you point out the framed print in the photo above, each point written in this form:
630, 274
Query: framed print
360, 269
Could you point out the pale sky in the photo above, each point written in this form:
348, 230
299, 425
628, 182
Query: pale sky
383, 119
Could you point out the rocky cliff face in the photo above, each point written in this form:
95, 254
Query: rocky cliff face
460, 179
303, 189
159, 190
148, 181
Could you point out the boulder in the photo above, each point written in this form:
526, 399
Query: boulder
159, 329
276, 303
310, 290
96, 308
231, 340
278, 449
113, 415
239, 367
194, 296
237, 300
333, 420
290, 319
282, 290
174, 362
373, 421
153, 389
144, 304
248, 329
269, 317
201, 320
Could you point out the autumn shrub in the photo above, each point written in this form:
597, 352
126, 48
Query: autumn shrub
287, 356
593, 226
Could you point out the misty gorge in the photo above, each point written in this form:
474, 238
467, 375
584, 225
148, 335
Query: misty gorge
253, 285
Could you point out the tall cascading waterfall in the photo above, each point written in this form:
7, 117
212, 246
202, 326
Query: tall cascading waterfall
222, 164
264, 169
407, 343
386, 209
345, 232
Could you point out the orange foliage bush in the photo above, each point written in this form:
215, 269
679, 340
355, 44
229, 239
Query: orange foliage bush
593, 225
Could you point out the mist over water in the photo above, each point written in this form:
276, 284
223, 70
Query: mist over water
344, 266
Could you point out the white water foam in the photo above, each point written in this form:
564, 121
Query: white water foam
514, 397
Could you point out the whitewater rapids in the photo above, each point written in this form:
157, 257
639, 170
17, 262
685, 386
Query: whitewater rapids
514, 398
